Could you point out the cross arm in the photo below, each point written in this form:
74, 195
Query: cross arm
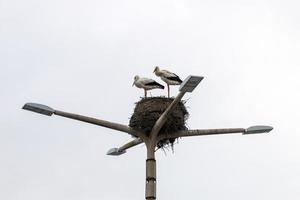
46, 110
122, 149
163, 118
201, 132
99, 122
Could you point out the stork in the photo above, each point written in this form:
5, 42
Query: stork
146, 84
168, 77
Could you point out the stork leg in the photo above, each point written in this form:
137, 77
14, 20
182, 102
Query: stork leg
168, 90
145, 93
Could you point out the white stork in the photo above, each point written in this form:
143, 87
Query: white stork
146, 84
168, 77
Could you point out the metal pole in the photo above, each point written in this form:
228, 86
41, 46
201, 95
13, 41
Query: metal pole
150, 190
151, 144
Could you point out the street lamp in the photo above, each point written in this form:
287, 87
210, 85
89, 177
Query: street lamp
258, 129
39, 108
188, 85
115, 152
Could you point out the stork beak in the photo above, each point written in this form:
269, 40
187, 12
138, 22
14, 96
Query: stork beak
133, 83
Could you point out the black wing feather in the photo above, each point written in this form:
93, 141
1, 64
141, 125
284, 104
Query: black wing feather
174, 78
154, 83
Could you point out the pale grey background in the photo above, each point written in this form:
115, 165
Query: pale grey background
81, 56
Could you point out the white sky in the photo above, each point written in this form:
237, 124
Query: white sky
81, 57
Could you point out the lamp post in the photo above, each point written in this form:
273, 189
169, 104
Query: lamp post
188, 85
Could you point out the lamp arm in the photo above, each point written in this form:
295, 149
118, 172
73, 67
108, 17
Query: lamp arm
163, 118
130, 144
99, 122
201, 132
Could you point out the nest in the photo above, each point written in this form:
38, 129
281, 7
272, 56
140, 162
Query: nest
148, 110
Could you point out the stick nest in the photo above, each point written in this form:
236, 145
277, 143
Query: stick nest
147, 112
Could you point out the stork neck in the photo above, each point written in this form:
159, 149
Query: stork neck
158, 72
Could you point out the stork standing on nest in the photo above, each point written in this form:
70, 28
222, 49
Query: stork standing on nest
146, 84
168, 77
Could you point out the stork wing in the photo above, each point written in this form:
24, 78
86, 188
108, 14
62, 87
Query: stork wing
146, 80
171, 76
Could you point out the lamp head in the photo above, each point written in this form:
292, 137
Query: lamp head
39, 108
258, 129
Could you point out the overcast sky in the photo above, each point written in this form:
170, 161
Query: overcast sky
81, 57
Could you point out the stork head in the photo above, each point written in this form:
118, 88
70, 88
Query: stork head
156, 69
135, 79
